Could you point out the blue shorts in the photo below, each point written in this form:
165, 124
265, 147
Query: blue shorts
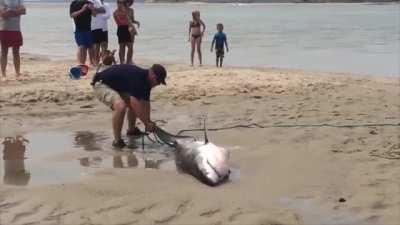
84, 38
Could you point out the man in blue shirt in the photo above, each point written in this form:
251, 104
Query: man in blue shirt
126, 86
219, 40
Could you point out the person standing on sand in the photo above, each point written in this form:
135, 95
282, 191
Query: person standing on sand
100, 30
10, 33
132, 28
196, 35
123, 87
81, 11
124, 37
220, 41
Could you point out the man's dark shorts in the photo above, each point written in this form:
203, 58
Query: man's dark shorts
220, 53
84, 38
108, 96
99, 36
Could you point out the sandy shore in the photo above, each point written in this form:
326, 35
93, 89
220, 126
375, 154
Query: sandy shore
288, 175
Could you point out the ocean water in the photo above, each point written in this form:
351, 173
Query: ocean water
358, 38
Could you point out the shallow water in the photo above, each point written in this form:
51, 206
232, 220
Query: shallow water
59, 157
359, 38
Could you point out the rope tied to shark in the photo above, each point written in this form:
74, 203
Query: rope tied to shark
256, 125
161, 136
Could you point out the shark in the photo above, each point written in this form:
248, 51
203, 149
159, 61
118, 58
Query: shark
202, 159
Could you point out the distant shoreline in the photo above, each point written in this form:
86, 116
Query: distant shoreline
273, 1
234, 1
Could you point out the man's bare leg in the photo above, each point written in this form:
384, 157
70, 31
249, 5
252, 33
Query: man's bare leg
4, 53
131, 120
81, 55
118, 117
17, 61
96, 53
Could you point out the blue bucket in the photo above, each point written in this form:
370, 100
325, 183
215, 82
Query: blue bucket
75, 73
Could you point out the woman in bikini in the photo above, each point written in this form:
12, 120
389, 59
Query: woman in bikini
124, 36
196, 34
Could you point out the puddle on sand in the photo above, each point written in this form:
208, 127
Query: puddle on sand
58, 157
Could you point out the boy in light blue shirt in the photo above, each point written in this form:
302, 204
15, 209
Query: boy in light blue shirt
219, 40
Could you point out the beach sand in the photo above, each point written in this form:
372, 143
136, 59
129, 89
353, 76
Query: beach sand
304, 174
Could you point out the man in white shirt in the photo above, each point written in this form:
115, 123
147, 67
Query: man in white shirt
100, 30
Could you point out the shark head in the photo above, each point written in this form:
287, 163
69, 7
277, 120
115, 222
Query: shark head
212, 164
212, 161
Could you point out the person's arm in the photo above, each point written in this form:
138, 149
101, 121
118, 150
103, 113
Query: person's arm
204, 27
115, 17
21, 10
136, 22
142, 110
190, 30
77, 13
3, 9
212, 44
107, 13
6, 13
133, 18
96, 11
146, 109
226, 44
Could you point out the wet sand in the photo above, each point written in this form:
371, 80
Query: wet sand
304, 174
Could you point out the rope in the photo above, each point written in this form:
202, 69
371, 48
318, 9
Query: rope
255, 125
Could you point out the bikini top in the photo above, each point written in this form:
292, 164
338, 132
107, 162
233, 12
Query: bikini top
121, 18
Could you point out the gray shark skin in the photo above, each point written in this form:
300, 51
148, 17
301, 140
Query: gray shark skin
203, 160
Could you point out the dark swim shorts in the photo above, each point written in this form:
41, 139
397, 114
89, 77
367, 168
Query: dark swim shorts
220, 52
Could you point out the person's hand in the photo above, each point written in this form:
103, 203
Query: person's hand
21, 9
150, 126
90, 6
85, 6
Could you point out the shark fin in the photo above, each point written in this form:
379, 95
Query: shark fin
205, 132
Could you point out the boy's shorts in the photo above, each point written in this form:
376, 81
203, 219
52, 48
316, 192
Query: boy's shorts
84, 38
108, 96
11, 38
220, 52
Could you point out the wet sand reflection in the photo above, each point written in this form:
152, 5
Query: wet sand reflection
14, 161
57, 157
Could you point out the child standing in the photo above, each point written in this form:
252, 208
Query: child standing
124, 36
132, 28
219, 40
